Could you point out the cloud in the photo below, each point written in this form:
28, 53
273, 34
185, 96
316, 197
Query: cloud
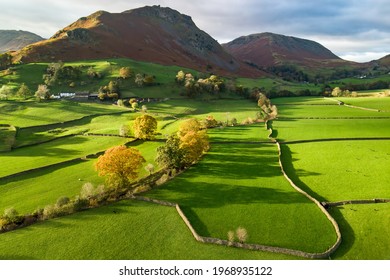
345, 27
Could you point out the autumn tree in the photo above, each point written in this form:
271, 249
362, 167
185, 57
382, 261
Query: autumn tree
120, 165
193, 141
42, 92
125, 72
185, 147
144, 127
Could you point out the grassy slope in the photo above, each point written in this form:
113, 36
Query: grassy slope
301, 129
135, 231
344, 170
54, 152
366, 231
240, 185
39, 188
31, 113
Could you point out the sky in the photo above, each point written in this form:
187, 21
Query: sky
356, 30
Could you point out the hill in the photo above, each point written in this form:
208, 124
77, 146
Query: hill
152, 34
268, 49
13, 40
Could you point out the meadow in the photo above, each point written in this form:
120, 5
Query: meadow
238, 183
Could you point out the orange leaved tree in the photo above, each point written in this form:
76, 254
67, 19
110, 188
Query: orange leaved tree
120, 165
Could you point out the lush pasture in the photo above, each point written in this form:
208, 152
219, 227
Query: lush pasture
366, 230
326, 111
308, 129
303, 100
126, 230
378, 103
242, 185
243, 133
342, 170
54, 152
31, 113
38, 188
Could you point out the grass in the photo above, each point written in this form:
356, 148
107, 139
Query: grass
307, 129
32, 113
127, 230
39, 188
240, 185
379, 103
255, 132
365, 230
54, 152
326, 111
345, 170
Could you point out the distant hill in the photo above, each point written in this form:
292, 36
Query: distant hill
385, 61
13, 40
153, 34
268, 49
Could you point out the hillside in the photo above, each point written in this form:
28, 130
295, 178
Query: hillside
152, 34
13, 40
268, 49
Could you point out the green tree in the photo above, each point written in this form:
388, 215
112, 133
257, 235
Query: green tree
144, 127
5, 92
170, 155
24, 91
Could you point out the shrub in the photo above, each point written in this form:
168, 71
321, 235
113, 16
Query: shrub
162, 179
231, 237
87, 191
49, 212
3, 223
63, 200
80, 203
11, 215
241, 234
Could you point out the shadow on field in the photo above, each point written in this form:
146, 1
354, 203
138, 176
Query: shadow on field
295, 174
347, 233
49, 149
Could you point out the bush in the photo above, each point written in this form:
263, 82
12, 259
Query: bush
241, 234
3, 223
11, 215
80, 204
63, 200
49, 212
87, 191
231, 237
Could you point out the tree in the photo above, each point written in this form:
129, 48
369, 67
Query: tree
5, 91
125, 73
5, 60
24, 91
184, 147
170, 155
124, 130
144, 127
150, 168
336, 92
42, 92
120, 165
180, 77
139, 80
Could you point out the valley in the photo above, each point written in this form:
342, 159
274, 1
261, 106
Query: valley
294, 162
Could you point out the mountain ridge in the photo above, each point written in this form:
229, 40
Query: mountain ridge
13, 40
269, 49
151, 34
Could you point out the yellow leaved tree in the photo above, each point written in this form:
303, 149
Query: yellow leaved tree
120, 165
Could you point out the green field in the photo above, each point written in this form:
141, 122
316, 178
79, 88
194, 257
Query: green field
55, 152
123, 231
309, 129
238, 183
343, 170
